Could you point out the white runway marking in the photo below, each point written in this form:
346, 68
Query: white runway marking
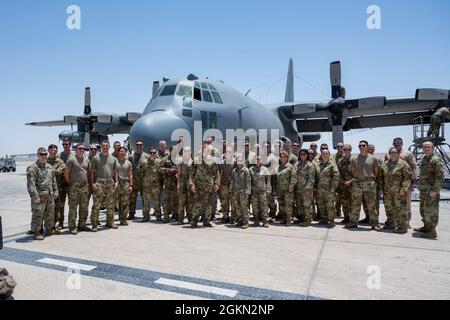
67, 264
197, 287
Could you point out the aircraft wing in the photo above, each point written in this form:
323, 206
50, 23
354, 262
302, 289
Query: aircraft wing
314, 117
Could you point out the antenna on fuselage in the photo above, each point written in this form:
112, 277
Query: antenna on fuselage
248, 92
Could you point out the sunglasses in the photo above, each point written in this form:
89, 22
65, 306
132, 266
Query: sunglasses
152, 152
362, 146
81, 149
139, 145
43, 154
93, 149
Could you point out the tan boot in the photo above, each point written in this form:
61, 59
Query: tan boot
37, 236
306, 223
430, 233
113, 226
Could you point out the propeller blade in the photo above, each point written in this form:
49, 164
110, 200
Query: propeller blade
87, 101
155, 87
338, 135
87, 139
335, 79
366, 103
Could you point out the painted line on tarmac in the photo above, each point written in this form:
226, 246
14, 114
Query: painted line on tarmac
67, 264
196, 287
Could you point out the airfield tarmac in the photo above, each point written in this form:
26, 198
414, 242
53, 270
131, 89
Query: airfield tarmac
156, 261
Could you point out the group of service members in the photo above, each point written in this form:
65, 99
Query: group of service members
307, 186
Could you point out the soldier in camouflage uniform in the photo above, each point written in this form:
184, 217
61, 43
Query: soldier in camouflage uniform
184, 192
115, 154
430, 184
43, 190
125, 185
136, 159
163, 156
304, 189
396, 180
260, 189
411, 160
204, 180
338, 156
371, 149
271, 162
345, 189
286, 181
64, 187
328, 175
365, 171
76, 174
104, 178
151, 178
226, 171
169, 172
240, 188
58, 166
436, 121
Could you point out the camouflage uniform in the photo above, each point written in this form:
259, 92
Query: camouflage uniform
226, 202
138, 186
306, 177
170, 205
104, 168
58, 166
162, 157
395, 177
328, 175
240, 186
430, 180
204, 177
315, 204
345, 192
364, 188
286, 179
260, 187
115, 154
41, 184
151, 178
272, 165
379, 188
123, 190
78, 192
185, 194
63, 192
338, 156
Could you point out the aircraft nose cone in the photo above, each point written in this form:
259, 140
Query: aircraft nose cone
154, 127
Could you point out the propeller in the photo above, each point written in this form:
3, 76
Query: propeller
338, 108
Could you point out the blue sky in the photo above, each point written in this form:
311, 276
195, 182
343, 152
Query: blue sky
123, 46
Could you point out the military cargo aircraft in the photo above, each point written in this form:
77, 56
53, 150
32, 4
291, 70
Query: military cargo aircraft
178, 103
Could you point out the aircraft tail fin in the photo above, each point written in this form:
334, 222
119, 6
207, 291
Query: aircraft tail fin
290, 83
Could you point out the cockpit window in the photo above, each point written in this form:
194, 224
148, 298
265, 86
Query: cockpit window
217, 98
184, 91
207, 96
168, 90
197, 84
212, 87
204, 86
